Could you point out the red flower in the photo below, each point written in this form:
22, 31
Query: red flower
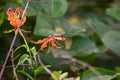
50, 39
14, 17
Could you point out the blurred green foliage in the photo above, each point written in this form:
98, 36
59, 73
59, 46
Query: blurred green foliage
92, 29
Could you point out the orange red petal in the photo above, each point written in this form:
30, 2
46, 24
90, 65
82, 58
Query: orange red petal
15, 17
49, 39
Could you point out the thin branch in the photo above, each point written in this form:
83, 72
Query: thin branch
18, 65
13, 65
13, 41
112, 54
84, 64
46, 69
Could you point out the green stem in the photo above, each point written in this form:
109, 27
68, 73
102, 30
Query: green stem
28, 49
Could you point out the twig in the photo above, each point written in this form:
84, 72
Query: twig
84, 64
18, 65
13, 41
46, 69
14, 69
112, 54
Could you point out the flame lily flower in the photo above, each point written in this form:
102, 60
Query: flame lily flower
49, 39
14, 17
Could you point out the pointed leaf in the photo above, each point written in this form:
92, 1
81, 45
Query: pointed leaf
33, 50
22, 59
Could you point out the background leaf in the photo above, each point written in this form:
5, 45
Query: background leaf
98, 27
83, 46
89, 75
58, 7
56, 27
112, 41
114, 12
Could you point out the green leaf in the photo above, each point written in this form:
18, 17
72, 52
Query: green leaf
22, 59
57, 73
46, 26
70, 29
111, 41
26, 74
92, 77
117, 75
98, 26
1, 18
58, 7
43, 26
39, 69
114, 12
101, 70
55, 8
63, 75
33, 9
33, 50
106, 74
20, 47
83, 46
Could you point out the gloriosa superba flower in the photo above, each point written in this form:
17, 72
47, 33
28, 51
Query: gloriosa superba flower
15, 18
49, 39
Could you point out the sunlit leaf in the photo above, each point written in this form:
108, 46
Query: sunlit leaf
63, 75
57, 73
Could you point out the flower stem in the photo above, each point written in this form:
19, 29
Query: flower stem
28, 49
